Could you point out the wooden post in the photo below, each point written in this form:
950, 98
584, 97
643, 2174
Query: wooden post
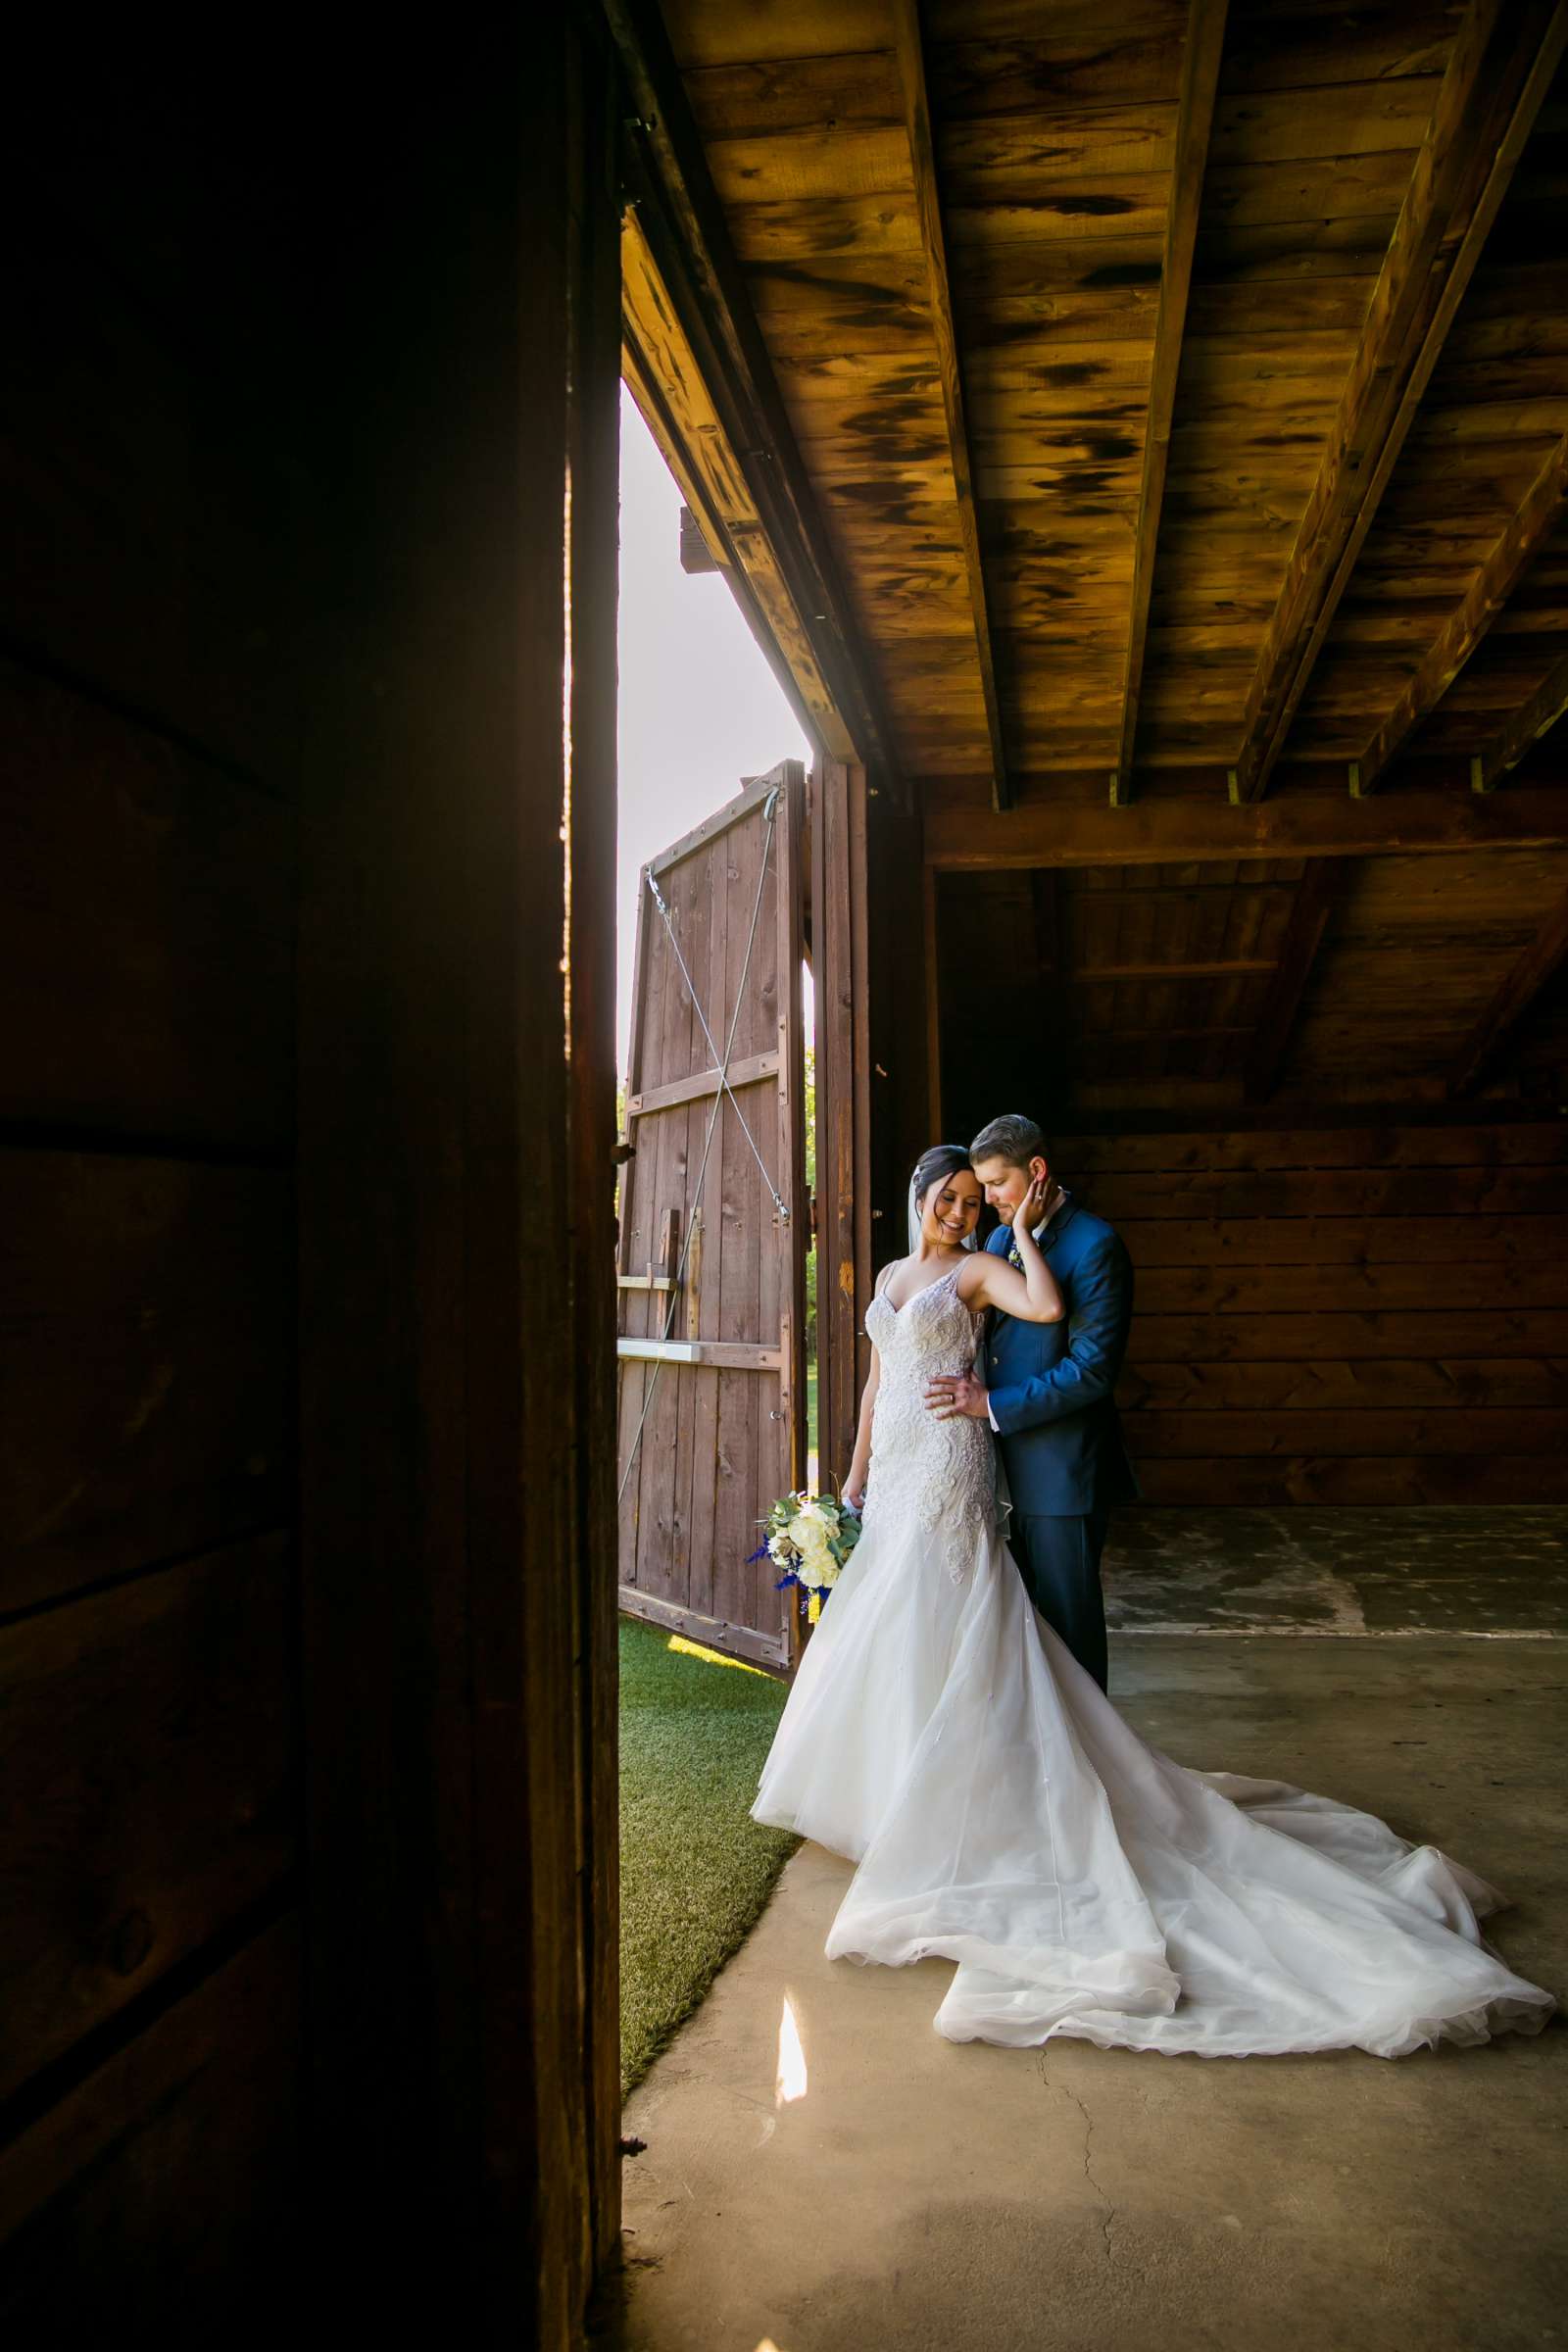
843, 1179
458, 1569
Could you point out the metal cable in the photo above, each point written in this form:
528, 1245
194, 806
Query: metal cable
723, 1088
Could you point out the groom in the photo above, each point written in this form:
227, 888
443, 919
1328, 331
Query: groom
1047, 1392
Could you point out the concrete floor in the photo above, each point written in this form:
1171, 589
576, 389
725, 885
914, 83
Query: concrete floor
1479, 1573
924, 2197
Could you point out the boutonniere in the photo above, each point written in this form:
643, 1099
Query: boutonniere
1015, 1255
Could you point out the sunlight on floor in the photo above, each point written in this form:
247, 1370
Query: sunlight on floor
790, 2083
714, 1657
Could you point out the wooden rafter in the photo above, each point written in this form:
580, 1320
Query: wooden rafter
910, 49
682, 223
1201, 64
1529, 723
1502, 67
1178, 831
1468, 623
1513, 1000
1304, 934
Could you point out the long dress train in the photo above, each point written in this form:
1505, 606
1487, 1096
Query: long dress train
1004, 1815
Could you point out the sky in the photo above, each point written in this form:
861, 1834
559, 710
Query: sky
699, 706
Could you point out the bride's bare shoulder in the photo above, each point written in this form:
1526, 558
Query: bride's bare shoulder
886, 1276
972, 1275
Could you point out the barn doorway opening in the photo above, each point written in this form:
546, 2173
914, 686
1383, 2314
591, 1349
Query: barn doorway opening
715, 1036
715, 1269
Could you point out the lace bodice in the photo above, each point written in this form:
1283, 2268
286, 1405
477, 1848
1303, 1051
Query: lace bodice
923, 1469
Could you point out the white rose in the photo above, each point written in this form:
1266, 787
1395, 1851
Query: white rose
812, 1540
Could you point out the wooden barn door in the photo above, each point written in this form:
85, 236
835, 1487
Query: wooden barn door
713, 1225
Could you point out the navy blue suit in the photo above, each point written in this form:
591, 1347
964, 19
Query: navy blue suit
1053, 1407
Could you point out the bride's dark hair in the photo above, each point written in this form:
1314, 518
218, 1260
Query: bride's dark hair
937, 1165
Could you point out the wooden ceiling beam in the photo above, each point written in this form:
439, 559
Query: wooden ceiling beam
1310, 909
1529, 723
909, 50
1195, 116
1468, 623
1192, 831
667, 179
1513, 1000
1499, 71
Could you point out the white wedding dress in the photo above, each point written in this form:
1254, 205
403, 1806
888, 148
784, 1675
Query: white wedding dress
1004, 1816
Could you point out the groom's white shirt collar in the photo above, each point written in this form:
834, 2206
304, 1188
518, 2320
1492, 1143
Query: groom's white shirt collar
1063, 1201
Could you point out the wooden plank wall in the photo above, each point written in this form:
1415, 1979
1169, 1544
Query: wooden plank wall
282, 612
149, 1744
1371, 1314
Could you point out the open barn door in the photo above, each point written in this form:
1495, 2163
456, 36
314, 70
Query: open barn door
713, 1225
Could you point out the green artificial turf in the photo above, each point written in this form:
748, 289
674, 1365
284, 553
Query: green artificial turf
694, 1870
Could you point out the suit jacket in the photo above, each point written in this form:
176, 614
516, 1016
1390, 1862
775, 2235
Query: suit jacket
1051, 1384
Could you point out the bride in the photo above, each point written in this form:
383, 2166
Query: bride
1004, 1816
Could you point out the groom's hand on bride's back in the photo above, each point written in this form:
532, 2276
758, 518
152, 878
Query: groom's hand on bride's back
954, 1393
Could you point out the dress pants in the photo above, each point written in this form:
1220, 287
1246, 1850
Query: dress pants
1058, 1561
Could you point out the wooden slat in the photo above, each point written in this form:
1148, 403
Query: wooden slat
1310, 909
1489, 1285
1524, 731
909, 52
146, 1358
753, 794
155, 559
176, 2160
146, 955
1542, 1143
729, 1355
749, 1072
714, 1632
1195, 115
1516, 994
1229, 1331
1422, 1479
1181, 830
1372, 1383
1332, 1193
1468, 624
1345, 1241
148, 1763
1497, 78
1358, 1433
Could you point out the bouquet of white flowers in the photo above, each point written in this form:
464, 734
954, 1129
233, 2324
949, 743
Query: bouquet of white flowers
809, 1537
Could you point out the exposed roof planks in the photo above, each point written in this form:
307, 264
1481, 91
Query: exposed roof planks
1488, 592
1498, 79
1087, 520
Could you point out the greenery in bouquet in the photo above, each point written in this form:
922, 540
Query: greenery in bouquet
809, 1537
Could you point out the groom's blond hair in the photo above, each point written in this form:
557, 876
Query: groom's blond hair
1011, 1138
